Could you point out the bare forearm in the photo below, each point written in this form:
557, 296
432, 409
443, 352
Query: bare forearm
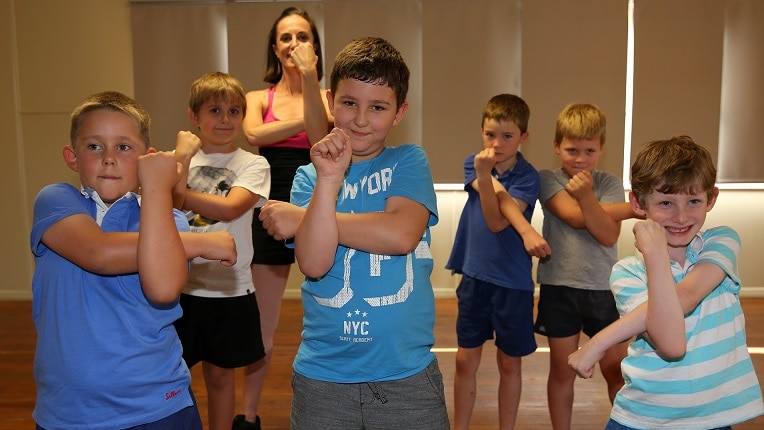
317, 236
162, 264
489, 203
512, 212
378, 233
620, 211
598, 222
664, 318
314, 112
217, 207
273, 132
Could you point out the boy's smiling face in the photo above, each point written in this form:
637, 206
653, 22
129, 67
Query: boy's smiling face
366, 112
106, 153
681, 215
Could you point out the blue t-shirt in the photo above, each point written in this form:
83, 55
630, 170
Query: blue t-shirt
106, 358
499, 258
371, 317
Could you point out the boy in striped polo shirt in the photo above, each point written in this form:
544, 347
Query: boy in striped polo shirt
689, 366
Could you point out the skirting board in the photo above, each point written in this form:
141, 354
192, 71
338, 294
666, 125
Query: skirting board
440, 293
444, 293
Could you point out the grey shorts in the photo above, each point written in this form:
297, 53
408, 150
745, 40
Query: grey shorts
413, 403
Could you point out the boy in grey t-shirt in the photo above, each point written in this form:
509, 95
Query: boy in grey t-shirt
583, 209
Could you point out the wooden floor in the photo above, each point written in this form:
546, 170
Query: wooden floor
591, 408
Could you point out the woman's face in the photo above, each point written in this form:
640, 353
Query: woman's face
291, 31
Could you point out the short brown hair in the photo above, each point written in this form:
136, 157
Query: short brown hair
115, 101
672, 166
374, 61
507, 107
217, 85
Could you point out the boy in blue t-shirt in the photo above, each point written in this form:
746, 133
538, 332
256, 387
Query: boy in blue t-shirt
496, 289
106, 286
364, 245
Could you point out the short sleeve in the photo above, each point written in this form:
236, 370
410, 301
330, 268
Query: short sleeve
721, 246
628, 283
549, 185
303, 185
52, 204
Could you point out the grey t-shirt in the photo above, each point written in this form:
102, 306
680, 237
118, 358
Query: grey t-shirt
577, 260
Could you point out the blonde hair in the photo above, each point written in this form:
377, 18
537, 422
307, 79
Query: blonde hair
216, 85
580, 121
114, 101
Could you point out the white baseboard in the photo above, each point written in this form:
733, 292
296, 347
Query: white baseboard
446, 293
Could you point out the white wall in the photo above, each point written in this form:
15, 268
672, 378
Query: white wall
738, 209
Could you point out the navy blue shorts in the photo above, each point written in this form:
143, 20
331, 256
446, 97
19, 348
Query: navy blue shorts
187, 419
565, 311
485, 309
221, 331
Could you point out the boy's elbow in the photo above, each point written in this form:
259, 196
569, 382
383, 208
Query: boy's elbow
672, 352
405, 245
572, 221
313, 271
229, 214
163, 296
496, 228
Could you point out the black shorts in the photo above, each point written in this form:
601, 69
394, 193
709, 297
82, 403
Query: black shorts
284, 163
565, 311
221, 331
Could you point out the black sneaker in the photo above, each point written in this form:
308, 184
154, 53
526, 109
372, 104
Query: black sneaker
239, 423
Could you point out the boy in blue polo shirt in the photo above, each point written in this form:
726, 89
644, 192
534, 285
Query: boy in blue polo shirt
106, 286
492, 250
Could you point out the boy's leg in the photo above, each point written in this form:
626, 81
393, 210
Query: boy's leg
221, 395
559, 319
473, 327
510, 387
513, 323
610, 366
465, 385
561, 380
270, 282
600, 311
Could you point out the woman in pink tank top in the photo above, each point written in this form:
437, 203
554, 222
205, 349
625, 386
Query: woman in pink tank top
283, 121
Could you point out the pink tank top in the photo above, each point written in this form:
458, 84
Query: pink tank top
300, 140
